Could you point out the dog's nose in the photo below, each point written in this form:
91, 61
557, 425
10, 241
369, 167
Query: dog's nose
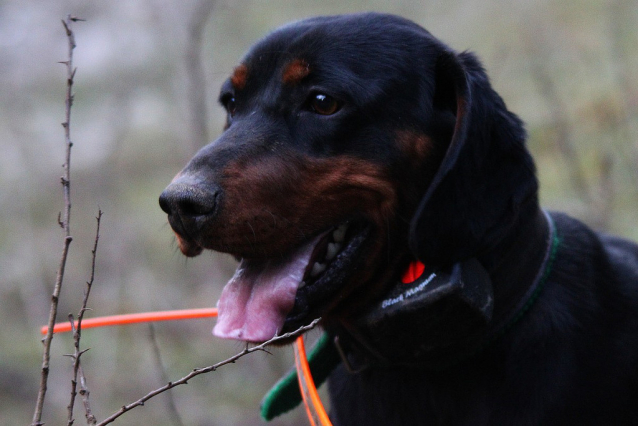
188, 201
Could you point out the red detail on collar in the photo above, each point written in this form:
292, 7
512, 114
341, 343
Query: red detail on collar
413, 272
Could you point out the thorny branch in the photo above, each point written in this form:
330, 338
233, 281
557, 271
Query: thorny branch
196, 372
76, 366
84, 393
77, 332
63, 221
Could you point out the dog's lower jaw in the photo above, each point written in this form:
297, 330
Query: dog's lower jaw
270, 296
335, 292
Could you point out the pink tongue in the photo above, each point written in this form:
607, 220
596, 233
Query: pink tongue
254, 304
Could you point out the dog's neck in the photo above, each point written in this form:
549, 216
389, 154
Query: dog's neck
515, 263
515, 266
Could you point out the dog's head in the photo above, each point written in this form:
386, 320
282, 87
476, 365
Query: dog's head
353, 145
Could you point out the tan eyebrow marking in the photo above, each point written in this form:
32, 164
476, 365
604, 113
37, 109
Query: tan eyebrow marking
239, 77
295, 71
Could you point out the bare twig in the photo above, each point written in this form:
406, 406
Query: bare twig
76, 365
84, 393
77, 332
172, 407
196, 372
63, 220
195, 73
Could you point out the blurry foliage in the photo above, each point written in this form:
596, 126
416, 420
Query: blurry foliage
568, 68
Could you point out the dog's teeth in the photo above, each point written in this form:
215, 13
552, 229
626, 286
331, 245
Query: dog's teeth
340, 233
302, 285
317, 268
332, 250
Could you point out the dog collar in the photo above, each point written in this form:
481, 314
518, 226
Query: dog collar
447, 315
465, 288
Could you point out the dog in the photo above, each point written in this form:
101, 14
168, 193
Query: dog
358, 148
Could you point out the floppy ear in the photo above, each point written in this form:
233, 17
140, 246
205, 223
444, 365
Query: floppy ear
485, 175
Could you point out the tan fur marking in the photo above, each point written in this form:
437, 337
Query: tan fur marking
239, 77
417, 147
274, 203
296, 71
189, 249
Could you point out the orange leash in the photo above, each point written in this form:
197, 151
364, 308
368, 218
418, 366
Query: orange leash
135, 318
314, 407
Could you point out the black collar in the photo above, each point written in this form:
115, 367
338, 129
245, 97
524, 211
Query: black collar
449, 314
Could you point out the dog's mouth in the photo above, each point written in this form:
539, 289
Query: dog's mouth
268, 296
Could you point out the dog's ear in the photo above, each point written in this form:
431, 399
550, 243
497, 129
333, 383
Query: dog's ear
485, 175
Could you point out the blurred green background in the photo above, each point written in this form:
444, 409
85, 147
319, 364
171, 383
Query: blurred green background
146, 86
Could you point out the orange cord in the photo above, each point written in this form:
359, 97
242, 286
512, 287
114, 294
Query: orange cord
135, 318
314, 407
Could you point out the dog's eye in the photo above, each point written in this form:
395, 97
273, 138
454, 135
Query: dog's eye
231, 105
228, 102
324, 104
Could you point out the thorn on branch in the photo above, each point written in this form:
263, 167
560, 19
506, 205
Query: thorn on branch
67, 29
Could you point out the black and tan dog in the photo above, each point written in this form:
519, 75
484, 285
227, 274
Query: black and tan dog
356, 145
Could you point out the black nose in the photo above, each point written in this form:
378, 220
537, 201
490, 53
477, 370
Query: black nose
187, 200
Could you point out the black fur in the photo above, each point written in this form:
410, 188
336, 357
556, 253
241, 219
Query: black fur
572, 358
